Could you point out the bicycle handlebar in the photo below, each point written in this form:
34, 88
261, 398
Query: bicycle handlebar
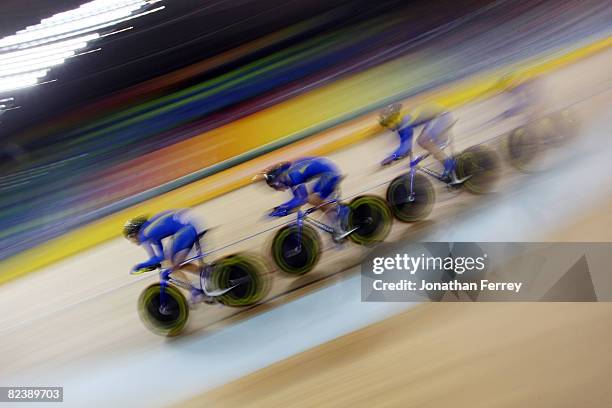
145, 270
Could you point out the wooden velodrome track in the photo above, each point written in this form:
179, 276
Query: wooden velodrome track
452, 354
84, 307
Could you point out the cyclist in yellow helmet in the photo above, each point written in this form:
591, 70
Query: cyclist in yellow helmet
436, 123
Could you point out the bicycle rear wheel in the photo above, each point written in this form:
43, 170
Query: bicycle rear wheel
481, 165
246, 273
372, 218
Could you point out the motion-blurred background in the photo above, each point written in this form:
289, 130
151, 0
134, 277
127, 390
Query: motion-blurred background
177, 103
110, 127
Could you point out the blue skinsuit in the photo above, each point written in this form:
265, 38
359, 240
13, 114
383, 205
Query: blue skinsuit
426, 115
436, 122
166, 224
405, 132
524, 100
304, 170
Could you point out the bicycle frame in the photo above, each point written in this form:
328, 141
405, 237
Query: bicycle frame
165, 279
303, 217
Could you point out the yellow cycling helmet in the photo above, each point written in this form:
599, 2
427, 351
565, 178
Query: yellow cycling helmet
390, 115
133, 226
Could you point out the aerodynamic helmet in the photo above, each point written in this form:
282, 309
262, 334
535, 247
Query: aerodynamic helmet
389, 114
133, 226
272, 173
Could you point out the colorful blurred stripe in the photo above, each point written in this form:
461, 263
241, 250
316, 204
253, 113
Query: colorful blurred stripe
240, 175
330, 80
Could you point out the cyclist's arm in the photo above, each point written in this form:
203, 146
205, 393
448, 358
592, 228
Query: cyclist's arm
300, 197
156, 255
405, 134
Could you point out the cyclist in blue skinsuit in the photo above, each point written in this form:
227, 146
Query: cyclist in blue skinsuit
177, 225
524, 95
437, 124
295, 176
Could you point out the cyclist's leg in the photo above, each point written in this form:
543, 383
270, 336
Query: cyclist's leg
435, 137
326, 189
433, 148
436, 134
182, 243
